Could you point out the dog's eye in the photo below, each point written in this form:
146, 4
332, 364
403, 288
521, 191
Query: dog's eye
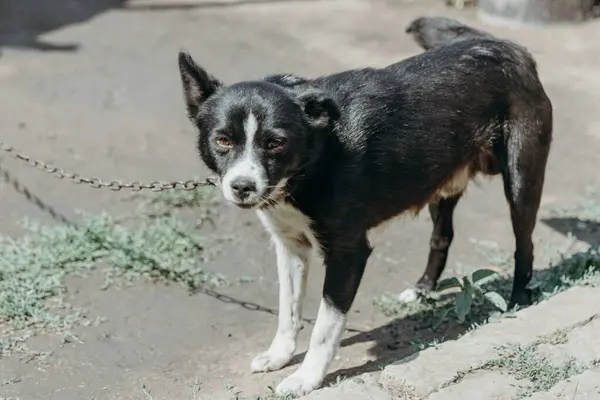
275, 144
223, 141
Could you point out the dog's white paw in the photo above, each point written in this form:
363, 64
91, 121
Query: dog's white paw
299, 383
269, 361
409, 295
278, 356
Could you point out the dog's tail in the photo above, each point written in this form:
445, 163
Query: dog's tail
430, 32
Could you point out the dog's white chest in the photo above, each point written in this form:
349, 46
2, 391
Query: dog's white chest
288, 224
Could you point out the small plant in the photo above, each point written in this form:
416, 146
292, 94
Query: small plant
471, 293
525, 363
147, 392
237, 395
419, 345
7, 382
196, 388
338, 381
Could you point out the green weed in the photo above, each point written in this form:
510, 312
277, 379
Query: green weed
158, 246
471, 293
526, 363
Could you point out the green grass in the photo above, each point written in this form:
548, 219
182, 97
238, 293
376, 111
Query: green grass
420, 345
579, 269
565, 271
527, 364
154, 242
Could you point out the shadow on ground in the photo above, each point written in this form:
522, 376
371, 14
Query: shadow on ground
32, 198
411, 329
23, 22
583, 229
406, 335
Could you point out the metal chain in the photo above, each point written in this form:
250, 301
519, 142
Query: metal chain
21, 189
117, 185
155, 186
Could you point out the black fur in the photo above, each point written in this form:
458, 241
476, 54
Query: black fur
403, 134
430, 32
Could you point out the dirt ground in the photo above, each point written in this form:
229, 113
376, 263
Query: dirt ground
95, 89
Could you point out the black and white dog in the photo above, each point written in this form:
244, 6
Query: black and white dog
322, 161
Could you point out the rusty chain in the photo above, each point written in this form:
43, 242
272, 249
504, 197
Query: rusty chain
114, 185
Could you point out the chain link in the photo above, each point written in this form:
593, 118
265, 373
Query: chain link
155, 186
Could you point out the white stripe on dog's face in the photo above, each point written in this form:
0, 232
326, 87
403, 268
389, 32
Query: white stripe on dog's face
247, 166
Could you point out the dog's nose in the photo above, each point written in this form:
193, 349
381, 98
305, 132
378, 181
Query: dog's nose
243, 187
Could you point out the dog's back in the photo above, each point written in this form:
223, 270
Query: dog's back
430, 120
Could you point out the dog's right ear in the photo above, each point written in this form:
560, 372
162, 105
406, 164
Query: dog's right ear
319, 109
197, 84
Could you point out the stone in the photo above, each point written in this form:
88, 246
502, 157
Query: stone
584, 343
489, 385
585, 386
364, 387
421, 375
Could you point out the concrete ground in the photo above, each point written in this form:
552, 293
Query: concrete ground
95, 89
545, 352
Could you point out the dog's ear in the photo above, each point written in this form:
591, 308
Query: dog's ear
197, 84
320, 110
414, 26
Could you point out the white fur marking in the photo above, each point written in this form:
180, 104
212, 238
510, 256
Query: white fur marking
409, 295
323, 346
248, 165
289, 230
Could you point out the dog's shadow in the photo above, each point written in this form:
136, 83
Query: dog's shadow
401, 339
583, 229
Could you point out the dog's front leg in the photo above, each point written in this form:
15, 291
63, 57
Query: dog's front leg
293, 258
344, 270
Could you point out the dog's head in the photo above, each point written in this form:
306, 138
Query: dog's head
255, 135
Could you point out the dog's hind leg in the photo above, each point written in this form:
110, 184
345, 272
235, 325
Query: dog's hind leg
441, 213
523, 169
441, 239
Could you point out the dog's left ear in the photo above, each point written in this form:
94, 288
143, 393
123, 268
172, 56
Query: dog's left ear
198, 85
320, 110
